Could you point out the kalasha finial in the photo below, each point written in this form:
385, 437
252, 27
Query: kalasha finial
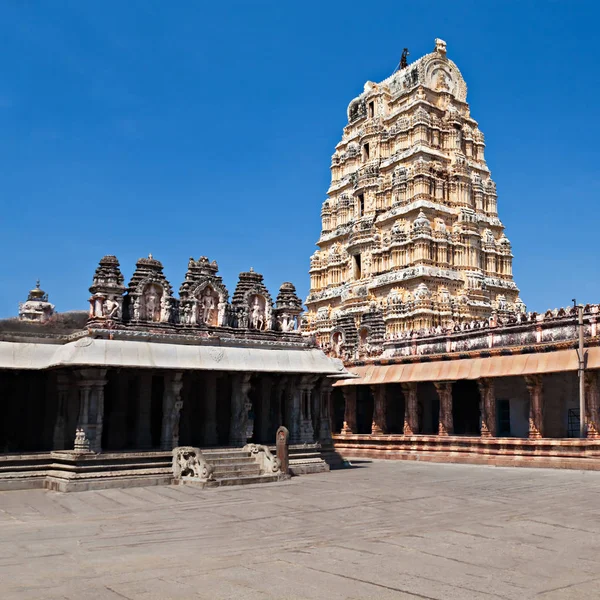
251, 269
37, 284
150, 256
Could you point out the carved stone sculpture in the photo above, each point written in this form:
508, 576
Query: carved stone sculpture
188, 463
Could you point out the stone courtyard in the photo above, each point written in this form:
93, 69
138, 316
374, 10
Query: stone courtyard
378, 530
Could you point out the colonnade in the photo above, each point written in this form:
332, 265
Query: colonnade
253, 405
486, 406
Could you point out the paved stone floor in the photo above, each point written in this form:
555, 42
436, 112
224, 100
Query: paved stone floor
380, 530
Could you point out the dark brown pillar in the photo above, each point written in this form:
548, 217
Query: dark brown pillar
536, 405
349, 410
241, 426
488, 407
446, 423
592, 403
172, 405
411, 415
378, 427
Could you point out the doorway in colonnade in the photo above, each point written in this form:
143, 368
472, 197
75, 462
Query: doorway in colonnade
428, 408
466, 412
364, 409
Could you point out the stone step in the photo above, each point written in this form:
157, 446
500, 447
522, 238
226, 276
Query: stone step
241, 470
220, 454
248, 479
243, 460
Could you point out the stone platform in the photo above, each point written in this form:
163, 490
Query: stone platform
68, 471
512, 452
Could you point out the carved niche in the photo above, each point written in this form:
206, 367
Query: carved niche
149, 296
203, 296
251, 305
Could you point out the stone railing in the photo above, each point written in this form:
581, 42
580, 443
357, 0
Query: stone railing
269, 464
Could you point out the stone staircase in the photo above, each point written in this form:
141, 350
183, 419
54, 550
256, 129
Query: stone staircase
233, 466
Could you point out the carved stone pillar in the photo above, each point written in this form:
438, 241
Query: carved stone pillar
349, 426
488, 407
411, 411
534, 385
143, 437
293, 400
210, 437
91, 405
172, 404
592, 404
307, 433
325, 416
242, 425
446, 422
378, 426
63, 385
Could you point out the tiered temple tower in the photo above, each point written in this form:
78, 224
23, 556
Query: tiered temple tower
411, 239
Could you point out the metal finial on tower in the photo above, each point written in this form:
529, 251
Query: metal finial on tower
403, 60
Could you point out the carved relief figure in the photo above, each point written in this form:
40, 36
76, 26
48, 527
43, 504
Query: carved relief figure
152, 303
257, 314
337, 341
112, 308
208, 307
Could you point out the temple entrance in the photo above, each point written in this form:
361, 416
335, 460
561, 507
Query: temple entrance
428, 408
395, 408
364, 409
466, 413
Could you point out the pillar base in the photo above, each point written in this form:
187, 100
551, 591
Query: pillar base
376, 429
346, 429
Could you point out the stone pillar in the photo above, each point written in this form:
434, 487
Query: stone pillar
349, 426
210, 437
534, 385
143, 437
241, 423
294, 400
488, 407
307, 433
172, 404
63, 385
91, 405
592, 404
446, 423
379, 427
411, 414
325, 413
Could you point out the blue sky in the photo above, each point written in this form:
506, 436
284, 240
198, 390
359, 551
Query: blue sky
205, 128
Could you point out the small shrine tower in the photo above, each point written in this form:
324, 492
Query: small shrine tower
36, 308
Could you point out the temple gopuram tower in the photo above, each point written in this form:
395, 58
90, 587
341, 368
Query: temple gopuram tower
411, 239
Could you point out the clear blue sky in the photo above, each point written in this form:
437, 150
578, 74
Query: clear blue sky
206, 128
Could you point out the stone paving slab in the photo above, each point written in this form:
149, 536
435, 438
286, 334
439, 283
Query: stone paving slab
380, 530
